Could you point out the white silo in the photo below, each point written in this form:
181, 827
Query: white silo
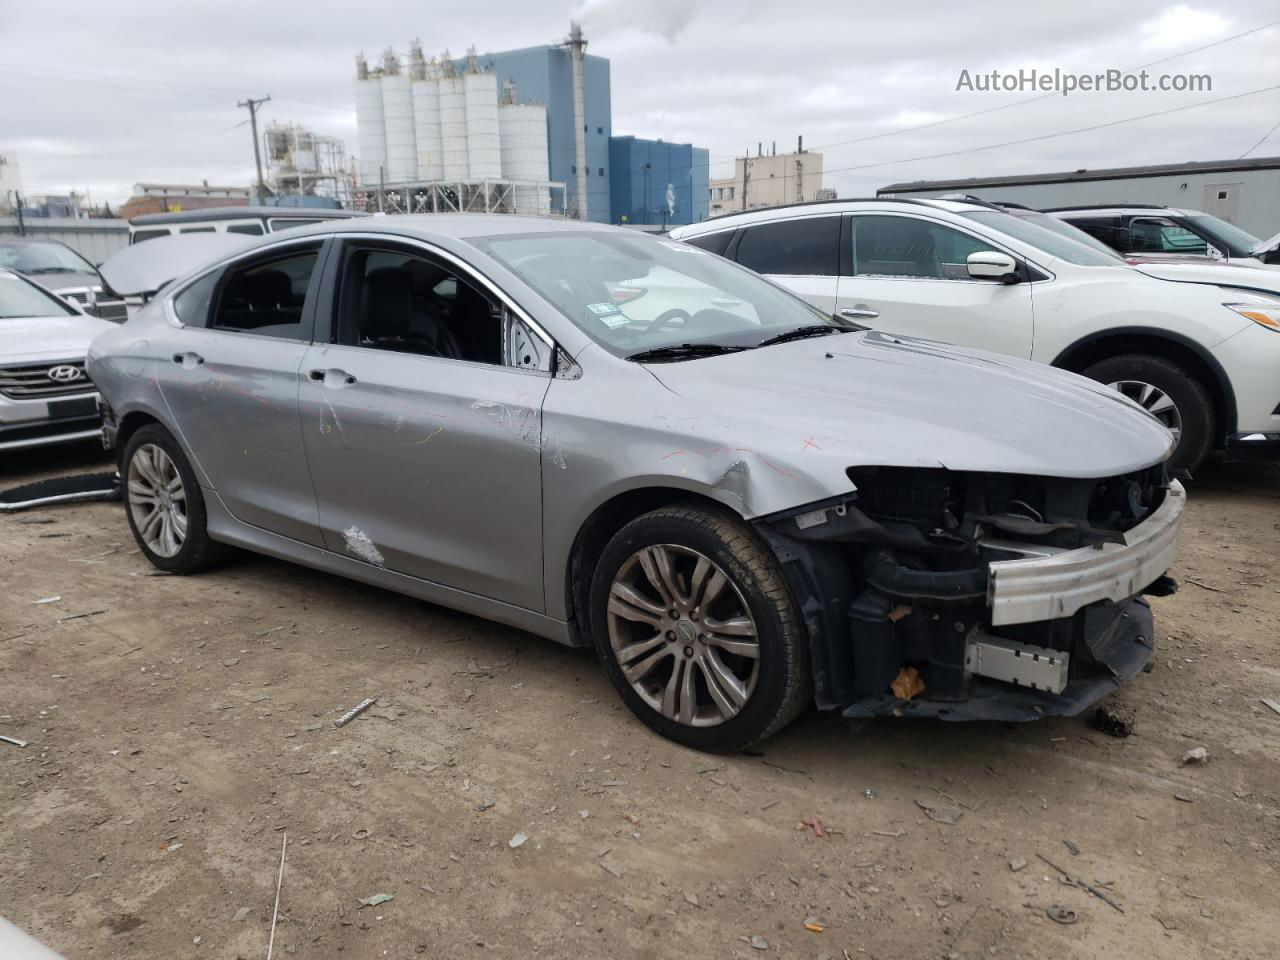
453, 122
523, 128
483, 143
426, 117
370, 128
397, 114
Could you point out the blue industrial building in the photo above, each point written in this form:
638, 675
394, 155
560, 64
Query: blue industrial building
544, 75
655, 182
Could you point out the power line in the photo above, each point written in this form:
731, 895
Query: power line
1273, 129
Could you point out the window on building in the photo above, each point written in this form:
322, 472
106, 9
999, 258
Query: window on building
599, 129
728, 193
804, 247
573, 169
601, 171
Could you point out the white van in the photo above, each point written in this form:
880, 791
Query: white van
252, 221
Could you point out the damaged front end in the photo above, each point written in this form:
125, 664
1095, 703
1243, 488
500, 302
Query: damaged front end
964, 596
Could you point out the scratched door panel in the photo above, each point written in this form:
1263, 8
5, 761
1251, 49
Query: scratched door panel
234, 400
429, 467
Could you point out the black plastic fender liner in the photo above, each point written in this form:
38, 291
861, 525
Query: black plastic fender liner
888, 575
80, 488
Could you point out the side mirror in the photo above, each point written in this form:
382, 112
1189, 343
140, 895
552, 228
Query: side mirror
991, 265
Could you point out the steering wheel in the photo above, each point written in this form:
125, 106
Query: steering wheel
667, 316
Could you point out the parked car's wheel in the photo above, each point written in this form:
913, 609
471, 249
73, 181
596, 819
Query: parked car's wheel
163, 502
697, 630
1176, 398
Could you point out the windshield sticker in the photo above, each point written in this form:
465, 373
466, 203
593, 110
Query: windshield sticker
615, 320
602, 309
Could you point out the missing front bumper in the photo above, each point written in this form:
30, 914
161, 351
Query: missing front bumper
1120, 651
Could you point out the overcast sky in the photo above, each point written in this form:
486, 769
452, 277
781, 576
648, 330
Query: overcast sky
99, 96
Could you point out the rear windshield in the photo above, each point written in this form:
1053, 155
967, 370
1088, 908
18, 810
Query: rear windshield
18, 298
1046, 237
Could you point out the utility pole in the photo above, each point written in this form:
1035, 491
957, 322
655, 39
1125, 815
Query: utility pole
746, 178
253, 106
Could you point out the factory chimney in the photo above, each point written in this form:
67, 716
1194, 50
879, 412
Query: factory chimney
577, 44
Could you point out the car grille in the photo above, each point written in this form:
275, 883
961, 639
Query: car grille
79, 294
33, 381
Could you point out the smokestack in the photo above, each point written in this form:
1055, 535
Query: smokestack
775, 149
800, 144
577, 45
759, 148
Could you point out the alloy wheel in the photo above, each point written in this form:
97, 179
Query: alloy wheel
1154, 400
683, 635
157, 500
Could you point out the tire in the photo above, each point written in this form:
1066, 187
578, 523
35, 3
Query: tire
152, 456
739, 698
1191, 404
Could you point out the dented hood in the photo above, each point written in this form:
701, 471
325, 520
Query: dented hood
876, 399
146, 267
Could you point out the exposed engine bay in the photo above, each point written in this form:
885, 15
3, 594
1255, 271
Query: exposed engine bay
929, 592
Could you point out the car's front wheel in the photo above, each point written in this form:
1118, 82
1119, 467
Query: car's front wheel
163, 503
697, 630
1172, 396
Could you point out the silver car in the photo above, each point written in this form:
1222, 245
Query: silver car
45, 396
616, 440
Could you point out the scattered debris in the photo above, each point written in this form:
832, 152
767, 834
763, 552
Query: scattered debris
613, 783
355, 711
240, 915
770, 805
759, 942
895, 834
275, 912
1060, 914
1074, 881
1114, 719
518, 840
1017, 863
813, 927
230, 661
15, 741
1203, 586
47, 600
611, 868
484, 805
907, 685
937, 810
814, 824
1075, 851
1273, 704
1198, 755
1183, 797
377, 899
691, 898
80, 616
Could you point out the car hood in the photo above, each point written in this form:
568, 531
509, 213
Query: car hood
146, 267
1266, 246
875, 399
1214, 272
57, 282
28, 339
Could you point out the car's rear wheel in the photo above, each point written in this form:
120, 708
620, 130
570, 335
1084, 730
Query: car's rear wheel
164, 505
1171, 395
697, 630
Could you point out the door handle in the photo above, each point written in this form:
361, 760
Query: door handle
859, 312
188, 359
332, 377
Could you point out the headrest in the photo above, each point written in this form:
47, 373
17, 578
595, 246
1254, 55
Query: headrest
388, 302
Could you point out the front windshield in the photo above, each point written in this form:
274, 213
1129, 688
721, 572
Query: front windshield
18, 298
633, 294
1238, 243
1047, 237
39, 258
1068, 230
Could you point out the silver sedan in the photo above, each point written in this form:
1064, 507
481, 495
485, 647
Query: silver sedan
610, 439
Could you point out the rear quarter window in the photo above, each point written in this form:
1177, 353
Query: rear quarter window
716, 243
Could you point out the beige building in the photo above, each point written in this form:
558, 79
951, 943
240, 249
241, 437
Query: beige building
767, 181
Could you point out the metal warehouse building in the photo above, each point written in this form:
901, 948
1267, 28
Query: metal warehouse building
657, 182
1244, 192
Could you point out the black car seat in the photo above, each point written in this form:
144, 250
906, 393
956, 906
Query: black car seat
390, 321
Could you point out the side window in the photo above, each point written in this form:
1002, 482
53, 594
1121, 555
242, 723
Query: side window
806, 247
412, 303
1106, 229
140, 235
192, 304
888, 246
252, 229
266, 298
714, 242
198, 230
1157, 235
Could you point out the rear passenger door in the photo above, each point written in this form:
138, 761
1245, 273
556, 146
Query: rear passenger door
909, 275
802, 254
230, 379
422, 420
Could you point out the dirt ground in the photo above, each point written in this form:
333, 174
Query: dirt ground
180, 728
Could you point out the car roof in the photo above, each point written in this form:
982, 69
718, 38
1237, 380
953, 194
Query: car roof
458, 226
237, 213
785, 211
1102, 208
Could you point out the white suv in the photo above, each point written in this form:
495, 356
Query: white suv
1204, 358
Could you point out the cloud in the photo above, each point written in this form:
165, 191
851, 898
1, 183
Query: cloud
666, 18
